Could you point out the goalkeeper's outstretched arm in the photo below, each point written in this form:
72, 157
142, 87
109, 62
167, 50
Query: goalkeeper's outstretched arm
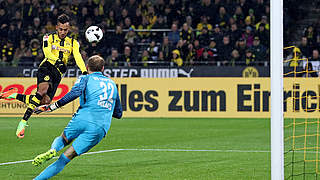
75, 92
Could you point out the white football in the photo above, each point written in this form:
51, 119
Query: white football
93, 34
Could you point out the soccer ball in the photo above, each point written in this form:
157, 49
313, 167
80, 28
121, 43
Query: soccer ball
93, 34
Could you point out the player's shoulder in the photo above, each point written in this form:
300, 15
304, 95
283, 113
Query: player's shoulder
48, 35
81, 78
72, 39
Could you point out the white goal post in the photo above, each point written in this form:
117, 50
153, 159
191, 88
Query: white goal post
276, 73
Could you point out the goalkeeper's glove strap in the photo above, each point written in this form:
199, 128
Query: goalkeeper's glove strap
54, 106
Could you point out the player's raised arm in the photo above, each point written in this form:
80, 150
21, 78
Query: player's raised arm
46, 47
78, 58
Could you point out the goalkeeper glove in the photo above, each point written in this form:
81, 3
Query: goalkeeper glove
85, 73
46, 108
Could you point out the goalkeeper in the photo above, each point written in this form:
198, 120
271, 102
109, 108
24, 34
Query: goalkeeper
99, 102
57, 48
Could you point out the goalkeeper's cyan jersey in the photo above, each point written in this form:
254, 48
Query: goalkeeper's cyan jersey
99, 100
56, 49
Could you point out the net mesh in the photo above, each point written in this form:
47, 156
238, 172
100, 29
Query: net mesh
301, 135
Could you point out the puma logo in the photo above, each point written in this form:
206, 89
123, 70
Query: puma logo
183, 72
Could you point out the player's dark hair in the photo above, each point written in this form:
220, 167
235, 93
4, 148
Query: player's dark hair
95, 63
63, 18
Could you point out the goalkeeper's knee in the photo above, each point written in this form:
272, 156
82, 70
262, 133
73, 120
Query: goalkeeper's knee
33, 101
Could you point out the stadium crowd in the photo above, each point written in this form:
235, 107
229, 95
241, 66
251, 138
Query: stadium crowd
141, 32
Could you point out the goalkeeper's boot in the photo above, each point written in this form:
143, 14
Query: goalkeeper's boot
20, 129
10, 94
41, 158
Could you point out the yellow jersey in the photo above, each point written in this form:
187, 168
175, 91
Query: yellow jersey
56, 49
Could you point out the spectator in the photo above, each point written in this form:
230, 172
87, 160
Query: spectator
217, 34
189, 22
198, 49
27, 59
204, 37
264, 20
153, 50
36, 51
244, 6
311, 36
74, 7
259, 50
183, 49
83, 16
186, 34
176, 59
110, 21
137, 20
213, 49
223, 17
234, 33
304, 47
7, 52
250, 58
248, 36
118, 37
241, 47
151, 16
309, 72
97, 18
127, 59
206, 57
145, 57
204, 23
252, 16
29, 35
29, 12
160, 7
239, 15
144, 36
208, 9
225, 49
36, 25
128, 24
124, 15
263, 35
191, 55
14, 33
113, 59
166, 48
235, 58
131, 6
131, 37
49, 26
260, 8
174, 35
160, 24
20, 51
144, 4
315, 56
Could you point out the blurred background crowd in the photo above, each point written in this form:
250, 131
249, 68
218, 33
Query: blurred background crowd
150, 32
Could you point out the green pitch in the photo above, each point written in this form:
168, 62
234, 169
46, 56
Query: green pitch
148, 148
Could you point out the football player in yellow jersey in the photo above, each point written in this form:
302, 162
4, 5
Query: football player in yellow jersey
57, 48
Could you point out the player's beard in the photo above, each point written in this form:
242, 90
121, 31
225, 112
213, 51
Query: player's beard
62, 36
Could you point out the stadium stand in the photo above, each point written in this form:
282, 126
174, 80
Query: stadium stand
203, 32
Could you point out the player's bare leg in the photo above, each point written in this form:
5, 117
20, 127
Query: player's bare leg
32, 101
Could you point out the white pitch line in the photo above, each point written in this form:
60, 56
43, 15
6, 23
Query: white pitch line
30, 160
198, 150
167, 150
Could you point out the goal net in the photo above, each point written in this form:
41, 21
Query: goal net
301, 124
